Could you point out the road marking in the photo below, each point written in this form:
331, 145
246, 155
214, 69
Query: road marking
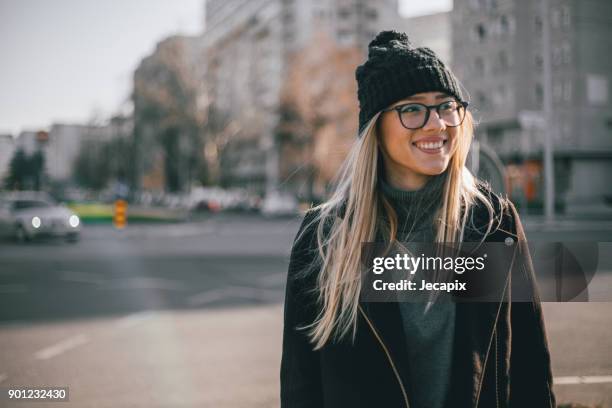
81, 277
134, 319
13, 288
144, 283
3, 377
273, 279
583, 379
215, 295
207, 297
61, 347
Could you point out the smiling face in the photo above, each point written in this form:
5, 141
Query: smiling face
411, 157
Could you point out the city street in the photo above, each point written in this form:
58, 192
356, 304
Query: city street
184, 315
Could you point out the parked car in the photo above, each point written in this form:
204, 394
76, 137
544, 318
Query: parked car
28, 215
278, 204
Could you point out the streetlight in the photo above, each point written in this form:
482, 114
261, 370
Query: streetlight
549, 170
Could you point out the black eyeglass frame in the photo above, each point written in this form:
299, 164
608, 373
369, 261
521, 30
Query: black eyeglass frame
429, 108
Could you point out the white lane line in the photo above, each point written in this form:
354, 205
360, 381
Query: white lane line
13, 288
134, 319
3, 377
273, 279
583, 379
208, 296
61, 347
81, 277
214, 295
145, 283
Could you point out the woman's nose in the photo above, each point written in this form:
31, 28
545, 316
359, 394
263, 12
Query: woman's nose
434, 122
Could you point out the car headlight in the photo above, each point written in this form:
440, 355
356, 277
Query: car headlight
74, 221
36, 222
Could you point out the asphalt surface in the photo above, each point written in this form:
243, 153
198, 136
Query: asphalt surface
190, 315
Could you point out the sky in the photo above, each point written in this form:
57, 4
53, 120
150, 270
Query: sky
72, 60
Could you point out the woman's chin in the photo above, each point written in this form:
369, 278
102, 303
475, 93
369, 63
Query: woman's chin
434, 169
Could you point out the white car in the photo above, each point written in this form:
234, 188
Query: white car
27, 215
277, 204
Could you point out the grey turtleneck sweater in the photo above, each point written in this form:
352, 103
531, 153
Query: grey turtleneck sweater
429, 328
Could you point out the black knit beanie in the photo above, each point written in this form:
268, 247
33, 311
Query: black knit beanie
395, 70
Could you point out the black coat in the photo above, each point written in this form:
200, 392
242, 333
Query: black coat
500, 356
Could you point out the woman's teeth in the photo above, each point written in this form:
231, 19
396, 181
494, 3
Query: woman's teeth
430, 145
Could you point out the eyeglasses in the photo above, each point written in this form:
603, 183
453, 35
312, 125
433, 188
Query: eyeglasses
415, 115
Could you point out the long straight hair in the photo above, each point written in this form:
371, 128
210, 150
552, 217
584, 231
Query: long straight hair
353, 214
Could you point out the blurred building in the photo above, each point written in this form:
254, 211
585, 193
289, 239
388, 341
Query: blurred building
247, 47
432, 30
498, 54
66, 140
7, 148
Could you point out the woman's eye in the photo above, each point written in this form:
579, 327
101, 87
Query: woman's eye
412, 109
448, 106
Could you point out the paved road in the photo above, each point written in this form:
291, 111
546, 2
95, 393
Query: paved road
191, 315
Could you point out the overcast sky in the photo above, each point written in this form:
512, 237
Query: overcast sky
68, 60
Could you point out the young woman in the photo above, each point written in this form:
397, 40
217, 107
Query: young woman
406, 180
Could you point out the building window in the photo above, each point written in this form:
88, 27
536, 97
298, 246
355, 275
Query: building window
504, 27
539, 61
556, 56
481, 100
479, 66
566, 53
344, 13
567, 91
539, 94
503, 61
371, 14
481, 32
557, 92
555, 18
501, 96
562, 55
565, 16
288, 17
319, 14
538, 24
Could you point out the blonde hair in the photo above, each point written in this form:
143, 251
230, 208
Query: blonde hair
351, 216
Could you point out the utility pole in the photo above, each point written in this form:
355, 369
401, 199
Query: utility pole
549, 169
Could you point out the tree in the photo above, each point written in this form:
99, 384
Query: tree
91, 167
318, 113
166, 115
25, 171
219, 128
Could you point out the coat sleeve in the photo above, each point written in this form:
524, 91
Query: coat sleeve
300, 376
530, 366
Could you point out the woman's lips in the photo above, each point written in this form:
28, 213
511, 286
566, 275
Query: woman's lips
430, 145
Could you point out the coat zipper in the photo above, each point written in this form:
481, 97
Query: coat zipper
487, 355
496, 369
386, 350
494, 337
